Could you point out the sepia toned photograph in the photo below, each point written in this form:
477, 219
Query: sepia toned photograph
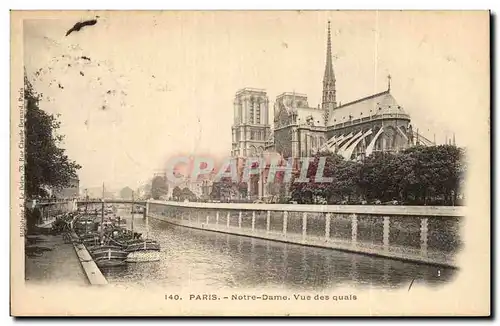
250, 163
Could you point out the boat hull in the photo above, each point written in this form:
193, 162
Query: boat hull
98, 248
144, 245
104, 262
109, 256
109, 253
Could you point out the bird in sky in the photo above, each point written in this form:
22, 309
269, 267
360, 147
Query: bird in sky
78, 26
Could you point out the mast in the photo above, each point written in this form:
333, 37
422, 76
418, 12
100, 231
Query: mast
86, 200
147, 220
132, 214
102, 215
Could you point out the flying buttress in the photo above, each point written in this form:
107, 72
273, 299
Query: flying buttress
369, 149
348, 152
402, 133
349, 142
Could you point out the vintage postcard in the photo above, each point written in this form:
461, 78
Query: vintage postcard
250, 163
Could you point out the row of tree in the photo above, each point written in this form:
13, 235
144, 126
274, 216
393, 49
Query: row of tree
183, 194
418, 175
227, 189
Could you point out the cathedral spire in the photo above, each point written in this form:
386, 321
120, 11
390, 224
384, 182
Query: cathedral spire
329, 66
329, 101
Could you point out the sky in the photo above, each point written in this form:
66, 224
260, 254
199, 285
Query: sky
153, 85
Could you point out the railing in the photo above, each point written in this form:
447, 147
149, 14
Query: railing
112, 201
416, 233
51, 201
35, 203
49, 209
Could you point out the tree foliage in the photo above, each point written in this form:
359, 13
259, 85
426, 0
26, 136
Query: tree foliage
46, 164
227, 189
186, 193
145, 190
159, 187
224, 189
183, 194
342, 175
418, 175
126, 193
177, 193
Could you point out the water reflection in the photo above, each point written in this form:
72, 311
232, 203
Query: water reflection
193, 257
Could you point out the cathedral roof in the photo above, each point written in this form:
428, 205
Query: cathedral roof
310, 114
381, 103
291, 102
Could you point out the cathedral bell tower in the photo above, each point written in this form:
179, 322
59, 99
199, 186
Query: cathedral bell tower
329, 102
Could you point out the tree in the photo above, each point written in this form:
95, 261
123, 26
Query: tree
309, 192
159, 187
347, 179
177, 193
406, 175
462, 171
224, 189
126, 193
243, 189
144, 191
46, 164
376, 177
186, 193
441, 169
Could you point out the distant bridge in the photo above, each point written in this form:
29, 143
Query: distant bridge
62, 204
80, 202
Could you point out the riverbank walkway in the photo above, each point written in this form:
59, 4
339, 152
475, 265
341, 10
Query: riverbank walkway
48, 258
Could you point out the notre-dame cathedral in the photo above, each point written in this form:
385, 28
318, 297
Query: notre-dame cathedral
353, 130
